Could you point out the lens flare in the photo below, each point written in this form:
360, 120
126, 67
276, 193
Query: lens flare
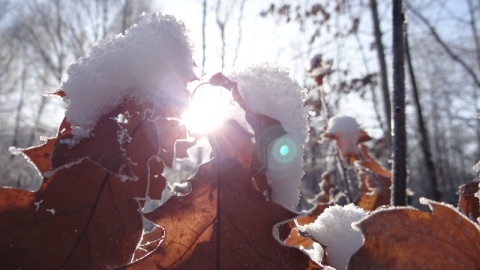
284, 150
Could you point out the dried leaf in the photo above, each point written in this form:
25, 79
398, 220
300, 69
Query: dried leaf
223, 224
468, 202
289, 234
40, 155
84, 216
406, 238
326, 186
369, 163
232, 141
373, 200
104, 140
182, 146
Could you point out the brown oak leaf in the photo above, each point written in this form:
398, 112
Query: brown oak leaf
406, 238
85, 216
225, 223
467, 201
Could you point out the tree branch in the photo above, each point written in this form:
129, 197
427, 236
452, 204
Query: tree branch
442, 43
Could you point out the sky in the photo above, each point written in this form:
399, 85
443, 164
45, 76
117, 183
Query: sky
262, 40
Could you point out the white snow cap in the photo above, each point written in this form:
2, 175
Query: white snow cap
333, 229
346, 129
269, 90
152, 62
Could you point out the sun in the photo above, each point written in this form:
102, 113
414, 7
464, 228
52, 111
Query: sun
210, 107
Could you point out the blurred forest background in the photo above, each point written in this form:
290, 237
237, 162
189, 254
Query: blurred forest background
345, 42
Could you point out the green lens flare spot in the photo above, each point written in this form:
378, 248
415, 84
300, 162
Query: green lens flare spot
284, 150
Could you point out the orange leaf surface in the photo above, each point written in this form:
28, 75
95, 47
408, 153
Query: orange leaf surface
406, 238
40, 155
368, 163
468, 202
223, 224
371, 201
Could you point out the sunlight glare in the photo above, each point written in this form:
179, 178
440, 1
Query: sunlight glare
210, 107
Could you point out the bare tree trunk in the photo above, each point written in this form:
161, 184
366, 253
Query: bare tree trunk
447, 49
204, 27
476, 38
399, 138
372, 87
221, 26
222, 23
383, 65
18, 117
424, 141
125, 15
239, 26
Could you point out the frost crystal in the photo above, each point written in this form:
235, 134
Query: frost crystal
269, 90
333, 229
152, 62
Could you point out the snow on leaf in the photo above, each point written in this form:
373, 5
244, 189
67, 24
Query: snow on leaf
268, 90
274, 108
346, 132
374, 180
151, 63
333, 230
288, 234
406, 238
325, 234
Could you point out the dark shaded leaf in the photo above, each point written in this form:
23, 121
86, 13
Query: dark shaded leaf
231, 140
84, 216
182, 146
80, 218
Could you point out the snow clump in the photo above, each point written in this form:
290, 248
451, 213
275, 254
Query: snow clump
333, 229
269, 90
346, 131
152, 63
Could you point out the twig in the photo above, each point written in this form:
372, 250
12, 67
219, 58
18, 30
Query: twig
399, 138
